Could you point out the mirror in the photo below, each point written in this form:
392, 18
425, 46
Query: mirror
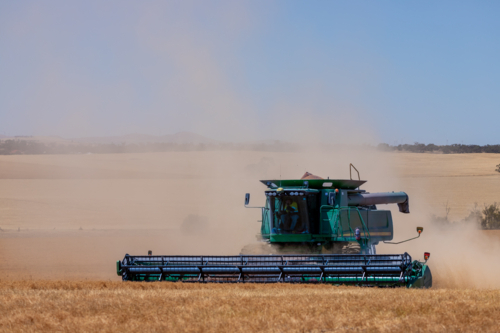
247, 199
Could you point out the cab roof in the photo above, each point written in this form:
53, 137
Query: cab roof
347, 184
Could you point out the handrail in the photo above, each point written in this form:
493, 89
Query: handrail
364, 225
265, 220
350, 170
321, 211
349, 220
365, 228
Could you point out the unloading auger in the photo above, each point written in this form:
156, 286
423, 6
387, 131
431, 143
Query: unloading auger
313, 231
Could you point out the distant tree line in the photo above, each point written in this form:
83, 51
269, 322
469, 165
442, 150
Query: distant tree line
23, 146
448, 149
32, 147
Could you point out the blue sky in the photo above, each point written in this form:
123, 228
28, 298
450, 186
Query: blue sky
330, 71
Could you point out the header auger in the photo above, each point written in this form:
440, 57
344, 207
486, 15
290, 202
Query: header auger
313, 231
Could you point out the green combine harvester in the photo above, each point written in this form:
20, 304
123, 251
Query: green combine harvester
313, 231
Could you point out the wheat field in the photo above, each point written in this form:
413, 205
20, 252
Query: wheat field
176, 307
66, 219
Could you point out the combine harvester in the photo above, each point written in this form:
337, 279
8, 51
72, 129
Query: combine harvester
313, 231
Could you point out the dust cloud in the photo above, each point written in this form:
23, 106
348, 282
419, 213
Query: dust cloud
462, 256
78, 214
73, 216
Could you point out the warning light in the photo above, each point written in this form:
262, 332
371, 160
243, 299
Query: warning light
426, 255
150, 253
336, 190
420, 229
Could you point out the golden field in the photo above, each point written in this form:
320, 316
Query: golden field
66, 219
176, 307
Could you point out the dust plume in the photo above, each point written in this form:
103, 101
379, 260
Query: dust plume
77, 214
462, 256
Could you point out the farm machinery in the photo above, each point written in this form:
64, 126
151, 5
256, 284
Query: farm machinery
313, 230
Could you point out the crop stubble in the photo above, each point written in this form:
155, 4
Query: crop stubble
177, 307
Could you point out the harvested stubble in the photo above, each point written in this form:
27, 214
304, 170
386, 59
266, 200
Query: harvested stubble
117, 306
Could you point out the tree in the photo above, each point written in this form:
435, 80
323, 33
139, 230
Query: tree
491, 217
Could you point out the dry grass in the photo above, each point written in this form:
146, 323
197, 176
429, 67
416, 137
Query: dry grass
116, 306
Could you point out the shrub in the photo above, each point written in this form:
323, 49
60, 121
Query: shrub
491, 217
486, 218
475, 215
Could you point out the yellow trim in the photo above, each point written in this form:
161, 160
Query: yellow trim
382, 233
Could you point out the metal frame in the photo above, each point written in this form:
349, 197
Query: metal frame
371, 270
350, 170
337, 227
